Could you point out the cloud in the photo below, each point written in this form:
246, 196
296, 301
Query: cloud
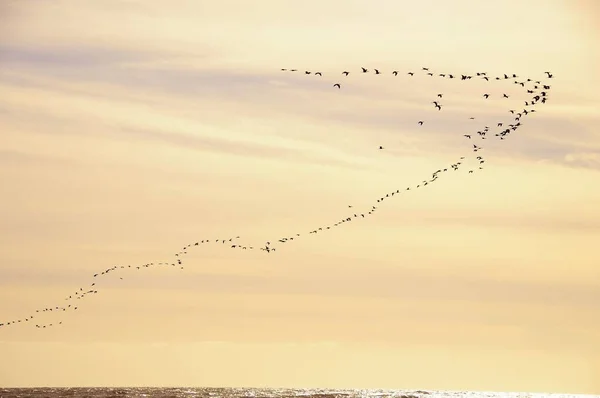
374, 282
72, 57
190, 80
246, 149
370, 121
364, 116
373, 116
535, 147
584, 159
159, 72
191, 134
569, 155
14, 158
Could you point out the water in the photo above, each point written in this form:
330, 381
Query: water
102, 392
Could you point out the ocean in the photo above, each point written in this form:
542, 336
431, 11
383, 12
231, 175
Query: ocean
174, 392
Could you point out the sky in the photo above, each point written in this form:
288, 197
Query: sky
131, 128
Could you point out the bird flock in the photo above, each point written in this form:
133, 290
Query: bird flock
537, 93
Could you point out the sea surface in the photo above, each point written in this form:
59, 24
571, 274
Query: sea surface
102, 392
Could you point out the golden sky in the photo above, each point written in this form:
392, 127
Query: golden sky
130, 128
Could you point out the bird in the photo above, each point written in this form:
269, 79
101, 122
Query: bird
365, 70
345, 73
420, 122
395, 73
337, 85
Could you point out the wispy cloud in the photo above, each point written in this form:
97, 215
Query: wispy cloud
14, 158
123, 68
399, 284
52, 58
539, 145
584, 159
